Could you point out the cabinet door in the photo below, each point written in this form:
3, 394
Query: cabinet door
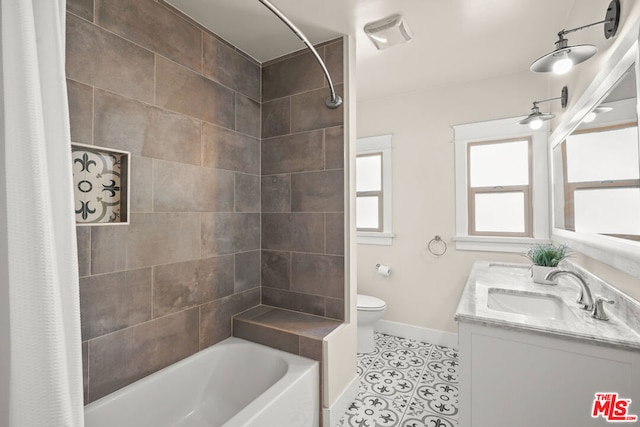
515, 378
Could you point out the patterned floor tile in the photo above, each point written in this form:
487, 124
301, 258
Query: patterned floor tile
405, 383
429, 420
445, 369
388, 382
371, 411
441, 398
440, 352
402, 358
365, 361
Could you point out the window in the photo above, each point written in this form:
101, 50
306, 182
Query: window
602, 181
369, 194
501, 186
373, 190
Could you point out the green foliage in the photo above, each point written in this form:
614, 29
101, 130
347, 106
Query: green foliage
548, 255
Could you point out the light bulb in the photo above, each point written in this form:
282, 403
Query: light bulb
562, 65
591, 116
535, 124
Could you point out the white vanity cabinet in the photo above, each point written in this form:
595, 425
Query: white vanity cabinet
512, 378
523, 365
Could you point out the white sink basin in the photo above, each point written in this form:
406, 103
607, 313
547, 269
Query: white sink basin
528, 304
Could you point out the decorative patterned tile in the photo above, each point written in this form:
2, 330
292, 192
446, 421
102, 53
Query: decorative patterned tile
405, 383
365, 361
381, 338
388, 382
427, 377
415, 373
445, 369
441, 398
402, 358
440, 352
429, 420
371, 411
99, 185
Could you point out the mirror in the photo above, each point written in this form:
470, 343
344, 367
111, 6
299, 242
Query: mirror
596, 168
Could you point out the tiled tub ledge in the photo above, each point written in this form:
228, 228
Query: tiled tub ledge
290, 331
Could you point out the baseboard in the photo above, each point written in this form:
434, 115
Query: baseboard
446, 339
332, 415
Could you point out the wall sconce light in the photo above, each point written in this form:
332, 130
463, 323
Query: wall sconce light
591, 115
564, 57
536, 119
388, 32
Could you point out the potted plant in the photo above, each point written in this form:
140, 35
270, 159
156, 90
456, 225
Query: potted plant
545, 259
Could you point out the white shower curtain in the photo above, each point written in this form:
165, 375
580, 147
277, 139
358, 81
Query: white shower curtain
44, 348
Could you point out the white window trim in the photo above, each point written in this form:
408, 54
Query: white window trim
499, 130
379, 144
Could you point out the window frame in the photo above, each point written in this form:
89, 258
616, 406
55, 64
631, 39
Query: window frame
379, 193
570, 188
381, 144
495, 130
525, 189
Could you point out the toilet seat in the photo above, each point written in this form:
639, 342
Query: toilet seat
369, 303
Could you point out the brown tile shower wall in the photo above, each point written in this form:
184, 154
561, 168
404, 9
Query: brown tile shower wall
141, 78
303, 185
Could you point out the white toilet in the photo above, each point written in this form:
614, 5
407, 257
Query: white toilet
370, 310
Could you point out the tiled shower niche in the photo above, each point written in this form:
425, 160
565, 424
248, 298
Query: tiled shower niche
100, 185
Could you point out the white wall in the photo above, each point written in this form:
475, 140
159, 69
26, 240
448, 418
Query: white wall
423, 290
5, 337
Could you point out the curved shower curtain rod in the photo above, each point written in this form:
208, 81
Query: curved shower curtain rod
333, 101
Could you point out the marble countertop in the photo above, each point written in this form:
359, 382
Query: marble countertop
578, 325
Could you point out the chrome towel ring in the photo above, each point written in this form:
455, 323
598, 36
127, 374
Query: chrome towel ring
437, 246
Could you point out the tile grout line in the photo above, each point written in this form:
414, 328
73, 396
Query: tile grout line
417, 383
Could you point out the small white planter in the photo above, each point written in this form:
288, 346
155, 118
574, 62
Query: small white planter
539, 272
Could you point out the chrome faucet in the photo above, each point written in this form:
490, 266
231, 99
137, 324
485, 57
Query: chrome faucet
585, 300
598, 310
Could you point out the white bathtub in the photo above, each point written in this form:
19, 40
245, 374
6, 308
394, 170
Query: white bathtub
234, 383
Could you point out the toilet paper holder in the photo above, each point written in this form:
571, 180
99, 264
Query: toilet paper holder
383, 270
